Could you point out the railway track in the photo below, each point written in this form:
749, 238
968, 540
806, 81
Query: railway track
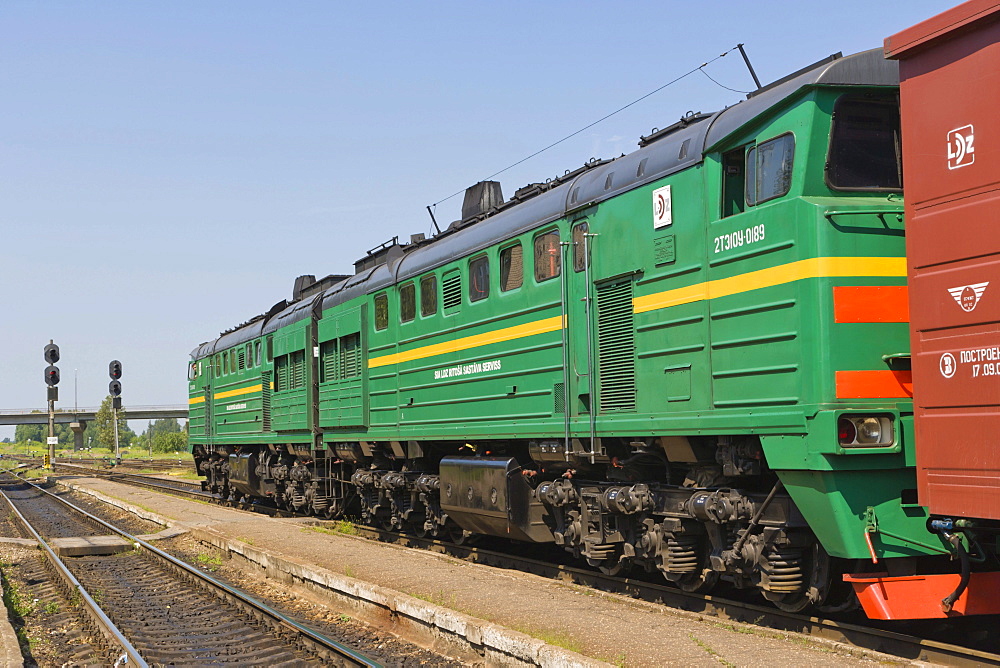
152, 609
931, 645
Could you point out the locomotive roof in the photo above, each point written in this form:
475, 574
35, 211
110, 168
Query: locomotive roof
666, 152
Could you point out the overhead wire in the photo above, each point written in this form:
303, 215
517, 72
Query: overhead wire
603, 118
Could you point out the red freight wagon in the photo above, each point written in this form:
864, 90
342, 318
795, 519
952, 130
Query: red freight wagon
950, 99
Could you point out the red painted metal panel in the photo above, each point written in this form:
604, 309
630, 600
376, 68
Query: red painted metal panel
870, 303
949, 93
882, 384
919, 596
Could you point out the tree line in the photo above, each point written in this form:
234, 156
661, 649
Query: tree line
164, 434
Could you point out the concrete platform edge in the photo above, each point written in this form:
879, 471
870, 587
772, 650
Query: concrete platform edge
492, 642
10, 648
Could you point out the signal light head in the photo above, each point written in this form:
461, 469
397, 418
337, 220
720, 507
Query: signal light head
115, 388
115, 369
51, 375
51, 353
865, 431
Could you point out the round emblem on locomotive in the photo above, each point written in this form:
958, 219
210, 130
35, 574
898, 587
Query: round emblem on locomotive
947, 365
968, 301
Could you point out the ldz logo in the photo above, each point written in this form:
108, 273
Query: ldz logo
961, 151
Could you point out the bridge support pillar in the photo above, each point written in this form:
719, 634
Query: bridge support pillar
77, 428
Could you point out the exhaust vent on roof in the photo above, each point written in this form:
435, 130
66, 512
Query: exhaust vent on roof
480, 198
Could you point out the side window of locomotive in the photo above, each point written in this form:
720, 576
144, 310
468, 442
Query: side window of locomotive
580, 246
428, 295
769, 169
192, 370
479, 278
407, 302
733, 182
381, 311
511, 267
218, 365
249, 355
225, 363
547, 264
257, 353
864, 143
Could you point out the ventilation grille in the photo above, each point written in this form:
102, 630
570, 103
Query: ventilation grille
616, 347
297, 375
265, 400
559, 397
350, 356
451, 291
281, 373
328, 361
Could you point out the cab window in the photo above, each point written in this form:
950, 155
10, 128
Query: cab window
580, 246
769, 169
864, 143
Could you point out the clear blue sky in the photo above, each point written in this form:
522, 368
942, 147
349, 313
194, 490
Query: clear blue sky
167, 169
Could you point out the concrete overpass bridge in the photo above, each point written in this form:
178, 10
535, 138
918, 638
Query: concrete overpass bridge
78, 418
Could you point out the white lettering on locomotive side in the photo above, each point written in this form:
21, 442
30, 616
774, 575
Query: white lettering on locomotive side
235, 407
744, 237
467, 369
991, 354
981, 362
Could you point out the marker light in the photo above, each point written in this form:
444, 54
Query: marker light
846, 431
865, 431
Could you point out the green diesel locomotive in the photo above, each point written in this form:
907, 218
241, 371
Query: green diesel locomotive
693, 358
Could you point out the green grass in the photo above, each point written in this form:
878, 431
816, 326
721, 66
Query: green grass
711, 652
211, 561
342, 528
554, 638
16, 601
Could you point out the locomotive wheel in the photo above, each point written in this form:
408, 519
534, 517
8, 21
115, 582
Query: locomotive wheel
699, 583
333, 510
818, 587
611, 567
459, 537
792, 602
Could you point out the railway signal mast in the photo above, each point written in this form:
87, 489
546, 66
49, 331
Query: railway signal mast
51, 353
115, 389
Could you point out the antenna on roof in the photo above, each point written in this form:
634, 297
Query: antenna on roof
749, 66
432, 220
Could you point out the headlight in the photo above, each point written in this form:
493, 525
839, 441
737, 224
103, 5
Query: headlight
865, 431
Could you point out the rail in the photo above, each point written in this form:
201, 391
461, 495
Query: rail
323, 645
837, 630
112, 633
